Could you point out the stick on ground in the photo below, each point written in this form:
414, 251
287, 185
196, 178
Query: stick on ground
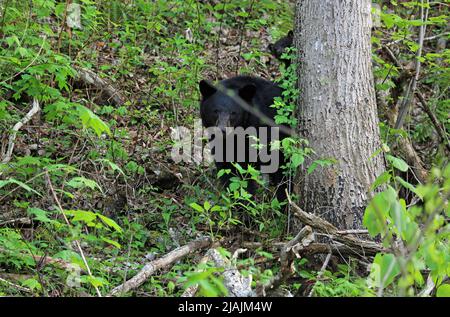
160, 263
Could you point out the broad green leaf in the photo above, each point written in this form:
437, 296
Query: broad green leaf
399, 216
19, 183
111, 223
384, 269
91, 120
443, 291
82, 182
40, 215
112, 242
382, 179
408, 186
376, 213
398, 163
87, 217
196, 207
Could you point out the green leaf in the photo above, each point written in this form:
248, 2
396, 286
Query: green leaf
91, 120
443, 291
82, 182
113, 166
32, 284
408, 186
382, 179
297, 160
40, 215
87, 217
398, 163
19, 183
97, 281
374, 216
196, 207
398, 214
384, 269
111, 223
112, 242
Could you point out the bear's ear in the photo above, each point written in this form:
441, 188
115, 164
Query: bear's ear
291, 33
247, 92
206, 89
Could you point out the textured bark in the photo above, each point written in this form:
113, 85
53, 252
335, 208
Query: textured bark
337, 108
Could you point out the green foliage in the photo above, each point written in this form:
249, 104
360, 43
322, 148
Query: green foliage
417, 235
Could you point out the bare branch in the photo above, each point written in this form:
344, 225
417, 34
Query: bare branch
412, 88
157, 264
12, 138
91, 78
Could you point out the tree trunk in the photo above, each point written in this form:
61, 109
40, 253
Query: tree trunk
337, 108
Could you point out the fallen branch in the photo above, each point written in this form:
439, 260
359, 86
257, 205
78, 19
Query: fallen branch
236, 284
91, 78
20, 288
287, 255
337, 249
155, 265
322, 270
12, 138
367, 247
412, 158
24, 221
43, 260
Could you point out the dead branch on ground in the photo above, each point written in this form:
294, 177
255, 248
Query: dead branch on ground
12, 137
160, 263
88, 77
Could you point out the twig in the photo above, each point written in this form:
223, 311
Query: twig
63, 25
34, 109
43, 260
157, 264
368, 247
286, 259
434, 120
77, 243
412, 88
356, 231
428, 288
20, 288
322, 270
21, 221
404, 144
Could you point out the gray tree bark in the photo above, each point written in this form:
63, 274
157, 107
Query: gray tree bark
337, 108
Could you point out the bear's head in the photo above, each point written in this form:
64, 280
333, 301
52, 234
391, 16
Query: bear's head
220, 107
279, 48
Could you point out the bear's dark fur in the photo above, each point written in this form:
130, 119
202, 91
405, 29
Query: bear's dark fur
220, 109
278, 48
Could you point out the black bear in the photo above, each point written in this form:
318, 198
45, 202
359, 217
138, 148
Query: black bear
244, 102
279, 48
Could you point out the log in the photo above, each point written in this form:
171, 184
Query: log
90, 78
153, 266
321, 225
